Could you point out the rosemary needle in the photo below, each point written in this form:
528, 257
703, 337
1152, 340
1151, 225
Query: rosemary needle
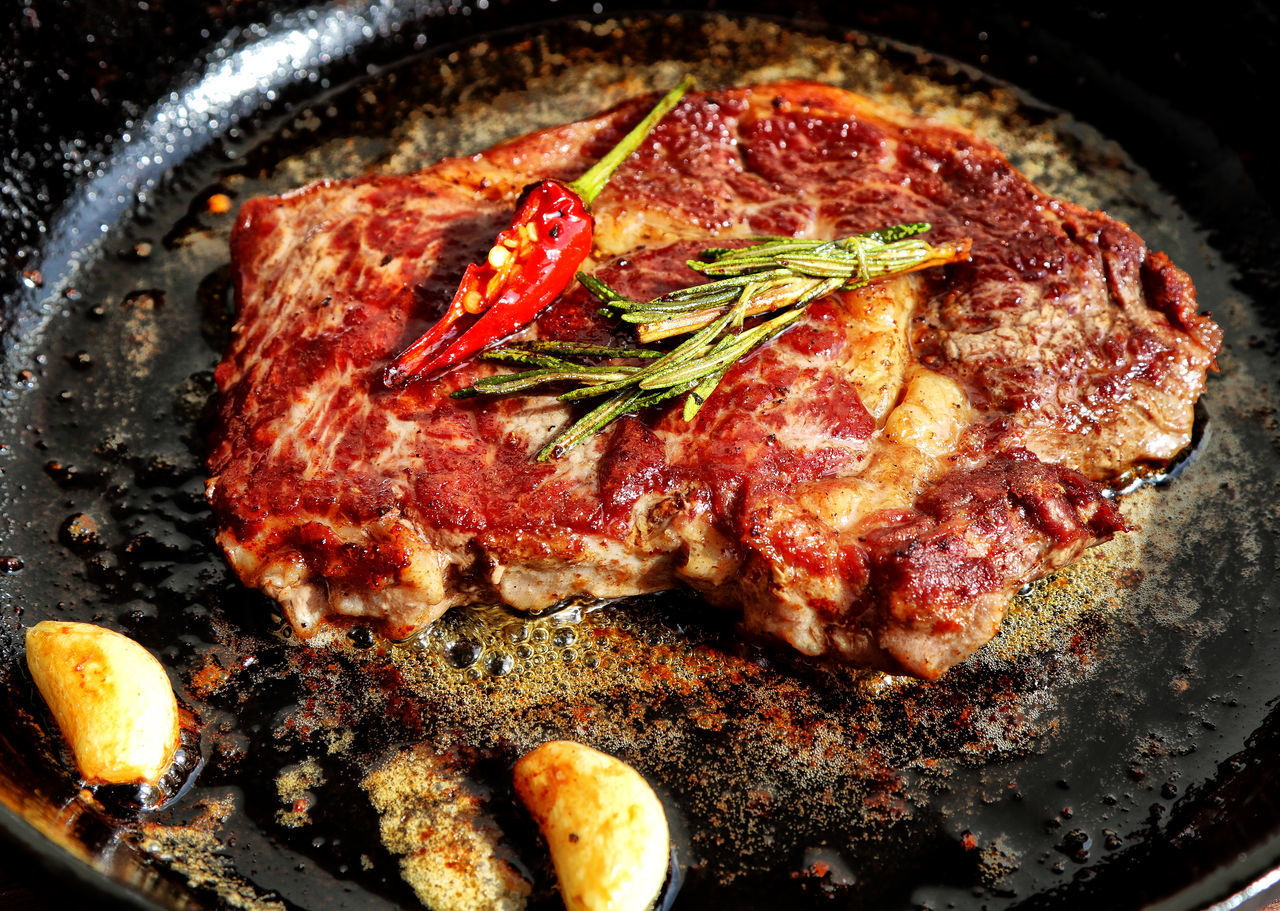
774, 274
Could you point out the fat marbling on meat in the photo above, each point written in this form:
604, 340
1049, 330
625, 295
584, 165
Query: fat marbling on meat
870, 488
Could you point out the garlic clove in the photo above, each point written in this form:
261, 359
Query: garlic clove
111, 699
604, 825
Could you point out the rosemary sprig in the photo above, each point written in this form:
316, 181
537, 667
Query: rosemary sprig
774, 274
790, 273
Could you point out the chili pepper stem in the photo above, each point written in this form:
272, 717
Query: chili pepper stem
589, 185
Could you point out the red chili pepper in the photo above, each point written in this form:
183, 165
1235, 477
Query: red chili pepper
529, 264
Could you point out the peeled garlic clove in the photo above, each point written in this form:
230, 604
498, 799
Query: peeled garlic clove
603, 823
111, 698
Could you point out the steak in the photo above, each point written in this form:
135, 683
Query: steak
871, 488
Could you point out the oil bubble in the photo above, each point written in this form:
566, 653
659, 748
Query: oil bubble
499, 664
517, 632
463, 653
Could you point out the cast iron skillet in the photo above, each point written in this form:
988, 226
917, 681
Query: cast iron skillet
1121, 759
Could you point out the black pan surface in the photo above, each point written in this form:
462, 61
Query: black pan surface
1113, 747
